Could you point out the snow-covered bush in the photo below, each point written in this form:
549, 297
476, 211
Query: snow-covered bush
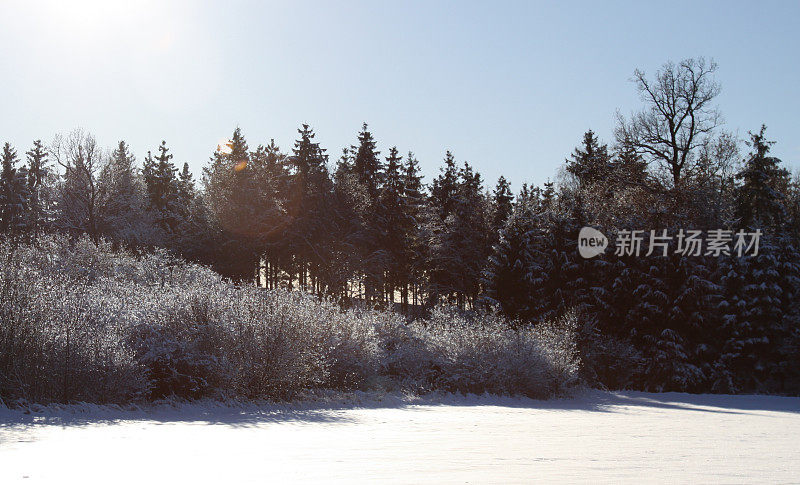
60, 336
80, 322
483, 353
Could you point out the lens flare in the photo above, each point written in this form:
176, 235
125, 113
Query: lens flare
225, 146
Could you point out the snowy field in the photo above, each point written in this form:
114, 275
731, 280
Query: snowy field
597, 436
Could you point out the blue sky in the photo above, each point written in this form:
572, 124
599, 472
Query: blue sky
508, 86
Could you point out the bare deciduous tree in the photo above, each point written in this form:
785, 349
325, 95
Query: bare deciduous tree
679, 117
80, 157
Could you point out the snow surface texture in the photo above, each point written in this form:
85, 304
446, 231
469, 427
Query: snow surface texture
595, 437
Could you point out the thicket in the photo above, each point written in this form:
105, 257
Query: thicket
80, 321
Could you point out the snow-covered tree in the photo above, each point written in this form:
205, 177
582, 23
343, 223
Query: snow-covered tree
761, 198
40, 188
14, 192
591, 162
80, 159
122, 206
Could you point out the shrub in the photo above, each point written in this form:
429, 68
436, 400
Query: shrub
80, 322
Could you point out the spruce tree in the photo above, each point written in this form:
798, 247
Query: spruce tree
761, 199
38, 189
393, 223
310, 225
628, 166
231, 195
122, 214
503, 200
590, 164
461, 243
507, 283
271, 188
14, 193
367, 170
161, 182
412, 268
444, 187
366, 162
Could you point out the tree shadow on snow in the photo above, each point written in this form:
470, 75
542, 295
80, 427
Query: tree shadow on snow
334, 411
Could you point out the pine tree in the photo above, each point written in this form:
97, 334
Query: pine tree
367, 163
785, 370
412, 267
503, 200
548, 195
349, 204
14, 194
162, 185
38, 188
309, 229
444, 187
461, 243
628, 166
186, 190
363, 163
592, 164
231, 195
761, 199
554, 272
392, 222
507, 283
122, 214
271, 189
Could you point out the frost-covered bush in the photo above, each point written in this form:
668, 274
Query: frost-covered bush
483, 353
60, 336
80, 322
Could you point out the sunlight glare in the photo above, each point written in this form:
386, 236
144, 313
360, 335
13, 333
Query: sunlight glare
224, 146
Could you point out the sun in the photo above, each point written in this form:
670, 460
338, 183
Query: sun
81, 15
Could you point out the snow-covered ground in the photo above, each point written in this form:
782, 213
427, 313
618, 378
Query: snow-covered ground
597, 436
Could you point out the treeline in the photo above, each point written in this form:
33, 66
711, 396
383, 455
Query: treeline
367, 228
364, 228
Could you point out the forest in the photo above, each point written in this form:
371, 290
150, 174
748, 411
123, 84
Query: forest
362, 234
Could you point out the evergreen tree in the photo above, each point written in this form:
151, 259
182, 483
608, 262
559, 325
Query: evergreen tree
363, 163
14, 192
412, 267
393, 223
122, 207
507, 283
761, 199
628, 166
231, 195
163, 187
503, 200
186, 189
309, 229
548, 195
349, 204
444, 187
591, 164
38, 187
271, 189
367, 162
461, 243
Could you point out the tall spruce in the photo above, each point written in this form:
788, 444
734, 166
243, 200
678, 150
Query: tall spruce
122, 211
761, 199
39, 188
591, 163
14, 192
